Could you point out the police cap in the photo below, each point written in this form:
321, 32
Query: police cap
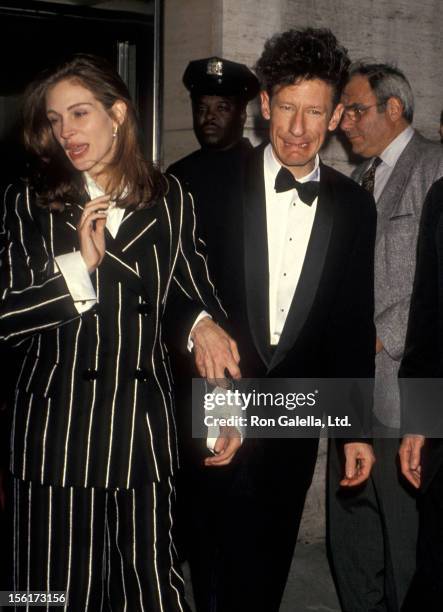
215, 76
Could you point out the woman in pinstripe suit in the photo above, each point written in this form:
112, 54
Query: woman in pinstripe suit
97, 243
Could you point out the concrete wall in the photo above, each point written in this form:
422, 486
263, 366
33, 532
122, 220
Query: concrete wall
401, 31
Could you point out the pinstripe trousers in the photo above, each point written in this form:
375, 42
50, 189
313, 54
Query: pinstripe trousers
109, 549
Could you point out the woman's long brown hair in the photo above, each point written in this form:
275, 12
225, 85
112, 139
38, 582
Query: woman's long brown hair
132, 181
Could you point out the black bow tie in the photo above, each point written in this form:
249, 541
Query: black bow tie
307, 192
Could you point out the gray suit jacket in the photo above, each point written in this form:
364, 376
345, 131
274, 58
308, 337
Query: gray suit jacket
399, 209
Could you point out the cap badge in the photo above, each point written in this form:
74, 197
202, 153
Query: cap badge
214, 67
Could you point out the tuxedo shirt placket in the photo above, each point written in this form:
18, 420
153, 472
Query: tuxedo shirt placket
289, 226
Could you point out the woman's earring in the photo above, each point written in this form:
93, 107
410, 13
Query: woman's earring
114, 132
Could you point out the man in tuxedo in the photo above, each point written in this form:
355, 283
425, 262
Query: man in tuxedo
376, 525
293, 266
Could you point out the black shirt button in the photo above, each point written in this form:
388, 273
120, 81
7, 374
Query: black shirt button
90, 374
144, 309
141, 375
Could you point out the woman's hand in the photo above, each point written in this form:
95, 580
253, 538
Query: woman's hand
91, 232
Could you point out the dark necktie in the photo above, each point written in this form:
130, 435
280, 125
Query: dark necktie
368, 178
307, 192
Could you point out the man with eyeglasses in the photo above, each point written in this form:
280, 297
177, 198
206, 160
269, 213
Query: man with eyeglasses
375, 528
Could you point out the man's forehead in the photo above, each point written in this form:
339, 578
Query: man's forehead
210, 99
357, 89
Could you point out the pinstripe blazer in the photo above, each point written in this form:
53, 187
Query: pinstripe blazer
93, 403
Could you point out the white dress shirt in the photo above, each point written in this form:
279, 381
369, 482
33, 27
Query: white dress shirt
73, 266
389, 158
289, 225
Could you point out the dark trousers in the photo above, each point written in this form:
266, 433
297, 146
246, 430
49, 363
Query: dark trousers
426, 591
242, 524
372, 532
108, 549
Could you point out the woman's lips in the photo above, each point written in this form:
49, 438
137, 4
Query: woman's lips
77, 151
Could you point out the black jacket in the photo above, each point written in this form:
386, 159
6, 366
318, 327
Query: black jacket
94, 399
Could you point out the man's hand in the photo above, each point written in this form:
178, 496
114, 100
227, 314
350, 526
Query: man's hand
378, 346
359, 461
91, 232
214, 351
410, 458
227, 444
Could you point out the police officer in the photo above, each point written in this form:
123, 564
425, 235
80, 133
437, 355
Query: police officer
220, 91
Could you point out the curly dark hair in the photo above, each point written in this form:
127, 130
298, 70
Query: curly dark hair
312, 53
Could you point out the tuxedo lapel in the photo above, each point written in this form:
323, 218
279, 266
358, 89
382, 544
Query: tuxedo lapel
312, 269
256, 253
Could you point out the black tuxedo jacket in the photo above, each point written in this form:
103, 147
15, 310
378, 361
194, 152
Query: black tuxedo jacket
423, 356
329, 331
93, 404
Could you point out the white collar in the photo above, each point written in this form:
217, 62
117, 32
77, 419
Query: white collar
395, 148
272, 166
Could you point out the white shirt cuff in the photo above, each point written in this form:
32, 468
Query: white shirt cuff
201, 316
232, 410
76, 275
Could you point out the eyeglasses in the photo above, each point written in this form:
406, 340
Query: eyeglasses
354, 112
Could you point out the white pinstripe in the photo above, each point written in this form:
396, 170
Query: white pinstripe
51, 374
134, 404
119, 551
23, 332
15, 537
28, 577
172, 266
125, 248
126, 217
37, 356
171, 558
117, 374
134, 550
104, 552
94, 383
14, 415
68, 581
151, 444
108, 539
170, 236
154, 516
91, 542
205, 263
11, 313
28, 259
48, 410
122, 263
32, 287
48, 567
51, 235
182, 288
25, 444
71, 397
157, 315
